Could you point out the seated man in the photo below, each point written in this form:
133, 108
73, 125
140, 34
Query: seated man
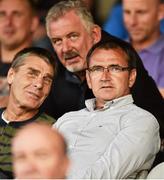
29, 78
39, 152
111, 138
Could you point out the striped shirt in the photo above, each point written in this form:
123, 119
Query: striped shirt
7, 131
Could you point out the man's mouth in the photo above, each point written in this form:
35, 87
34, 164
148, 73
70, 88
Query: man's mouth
8, 31
70, 55
135, 31
34, 95
106, 87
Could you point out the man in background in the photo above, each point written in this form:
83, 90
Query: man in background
18, 22
142, 20
39, 152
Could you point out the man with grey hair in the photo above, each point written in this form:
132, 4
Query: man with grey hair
30, 78
72, 32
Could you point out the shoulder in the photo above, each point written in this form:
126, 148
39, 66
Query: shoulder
141, 117
73, 114
73, 117
43, 117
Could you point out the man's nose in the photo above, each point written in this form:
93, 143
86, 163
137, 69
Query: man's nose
106, 74
66, 46
28, 167
39, 82
8, 19
133, 19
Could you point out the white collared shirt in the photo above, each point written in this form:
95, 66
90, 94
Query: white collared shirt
114, 142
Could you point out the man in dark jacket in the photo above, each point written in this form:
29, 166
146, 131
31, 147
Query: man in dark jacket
72, 32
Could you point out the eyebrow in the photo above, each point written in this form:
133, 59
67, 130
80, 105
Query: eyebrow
37, 71
66, 35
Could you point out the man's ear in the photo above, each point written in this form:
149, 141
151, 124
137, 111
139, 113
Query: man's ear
132, 77
88, 79
96, 33
161, 12
10, 76
34, 24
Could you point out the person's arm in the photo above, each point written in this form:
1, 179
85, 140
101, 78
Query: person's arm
136, 143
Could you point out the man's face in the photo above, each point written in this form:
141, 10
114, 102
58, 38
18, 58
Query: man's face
109, 85
37, 155
141, 19
30, 83
72, 41
16, 23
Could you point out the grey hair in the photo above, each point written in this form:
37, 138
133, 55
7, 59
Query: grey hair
61, 8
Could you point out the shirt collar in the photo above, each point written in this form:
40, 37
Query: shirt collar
156, 47
122, 101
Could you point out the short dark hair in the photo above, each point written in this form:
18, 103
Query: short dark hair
40, 52
114, 44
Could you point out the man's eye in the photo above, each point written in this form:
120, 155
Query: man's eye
17, 14
57, 42
47, 80
97, 69
115, 69
73, 37
19, 157
32, 74
2, 14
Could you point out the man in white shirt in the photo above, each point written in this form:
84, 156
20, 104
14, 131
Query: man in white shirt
111, 138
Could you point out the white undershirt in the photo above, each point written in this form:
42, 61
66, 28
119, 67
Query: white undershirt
4, 118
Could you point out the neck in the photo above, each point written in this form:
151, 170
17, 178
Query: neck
99, 104
140, 45
17, 114
7, 54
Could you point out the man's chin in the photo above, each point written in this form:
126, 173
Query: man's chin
74, 69
30, 177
